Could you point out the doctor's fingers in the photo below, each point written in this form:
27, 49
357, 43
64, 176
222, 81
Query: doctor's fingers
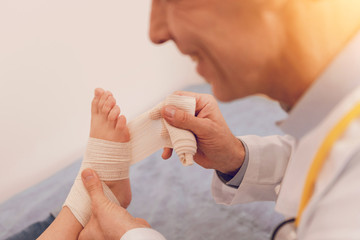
92, 231
94, 187
142, 222
180, 119
202, 99
167, 152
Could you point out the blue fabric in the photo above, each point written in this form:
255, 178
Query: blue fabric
34, 230
36, 203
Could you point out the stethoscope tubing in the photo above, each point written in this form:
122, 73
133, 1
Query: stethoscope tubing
282, 224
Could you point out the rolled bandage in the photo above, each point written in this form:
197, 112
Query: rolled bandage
149, 132
111, 160
183, 141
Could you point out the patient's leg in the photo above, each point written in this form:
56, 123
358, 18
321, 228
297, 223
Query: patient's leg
108, 124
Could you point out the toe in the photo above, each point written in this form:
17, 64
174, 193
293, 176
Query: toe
103, 99
121, 122
114, 113
123, 129
95, 102
108, 105
99, 92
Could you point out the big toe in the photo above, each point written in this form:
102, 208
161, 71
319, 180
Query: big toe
99, 92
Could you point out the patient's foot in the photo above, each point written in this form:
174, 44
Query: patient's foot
106, 121
108, 124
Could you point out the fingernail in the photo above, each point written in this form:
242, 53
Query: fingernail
169, 112
87, 174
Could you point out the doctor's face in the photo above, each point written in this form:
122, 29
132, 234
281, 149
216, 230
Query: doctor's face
236, 43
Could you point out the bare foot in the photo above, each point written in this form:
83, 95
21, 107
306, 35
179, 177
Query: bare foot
108, 124
106, 121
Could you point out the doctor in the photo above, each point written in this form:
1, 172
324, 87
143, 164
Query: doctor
304, 54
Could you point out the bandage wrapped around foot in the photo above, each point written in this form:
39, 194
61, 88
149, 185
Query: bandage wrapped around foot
149, 132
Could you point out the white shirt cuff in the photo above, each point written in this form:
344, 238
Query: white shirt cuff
142, 234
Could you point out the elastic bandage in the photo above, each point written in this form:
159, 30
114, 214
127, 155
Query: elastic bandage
149, 132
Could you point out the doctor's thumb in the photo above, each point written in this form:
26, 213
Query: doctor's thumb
183, 120
93, 186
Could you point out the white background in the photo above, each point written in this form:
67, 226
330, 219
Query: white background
52, 55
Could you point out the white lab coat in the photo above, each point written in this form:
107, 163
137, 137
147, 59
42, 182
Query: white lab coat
334, 210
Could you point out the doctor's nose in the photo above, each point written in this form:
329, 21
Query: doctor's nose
158, 32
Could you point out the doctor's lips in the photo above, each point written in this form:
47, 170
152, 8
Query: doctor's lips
200, 65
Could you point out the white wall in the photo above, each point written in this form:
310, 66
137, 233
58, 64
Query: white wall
52, 55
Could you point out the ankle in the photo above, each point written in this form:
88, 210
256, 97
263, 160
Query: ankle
122, 191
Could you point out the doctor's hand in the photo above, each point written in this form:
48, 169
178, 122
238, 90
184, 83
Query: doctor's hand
218, 148
108, 221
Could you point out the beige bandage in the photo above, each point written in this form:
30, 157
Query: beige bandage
149, 132
111, 160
